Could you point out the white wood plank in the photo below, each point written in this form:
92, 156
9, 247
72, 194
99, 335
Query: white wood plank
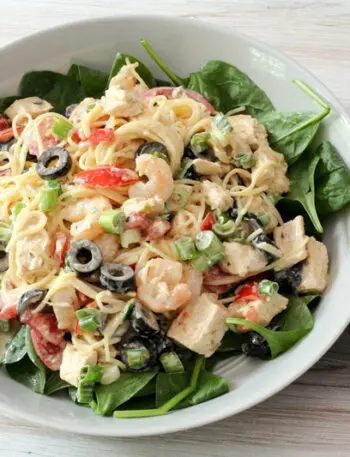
311, 417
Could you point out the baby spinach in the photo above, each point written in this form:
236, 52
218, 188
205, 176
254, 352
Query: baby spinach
16, 349
26, 373
332, 180
54, 383
60, 90
302, 187
222, 84
31, 351
93, 82
231, 342
109, 397
142, 70
297, 322
5, 102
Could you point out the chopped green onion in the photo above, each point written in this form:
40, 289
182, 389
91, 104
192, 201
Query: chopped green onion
268, 288
61, 128
160, 154
221, 217
178, 199
85, 393
201, 263
113, 221
17, 208
199, 142
136, 357
208, 243
185, 248
244, 160
5, 326
222, 129
131, 236
128, 311
89, 319
264, 218
215, 258
172, 363
49, 196
172, 403
5, 232
186, 164
225, 230
91, 373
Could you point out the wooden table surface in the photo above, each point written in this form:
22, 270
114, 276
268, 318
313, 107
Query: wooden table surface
310, 417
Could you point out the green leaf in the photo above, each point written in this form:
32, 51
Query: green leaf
209, 386
227, 88
31, 351
5, 102
16, 349
73, 393
287, 134
297, 322
332, 180
26, 373
60, 90
54, 383
231, 342
109, 397
142, 70
93, 82
302, 187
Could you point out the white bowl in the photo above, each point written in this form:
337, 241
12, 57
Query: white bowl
186, 45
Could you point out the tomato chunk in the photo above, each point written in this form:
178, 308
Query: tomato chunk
208, 222
50, 354
45, 324
101, 135
138, 221
157, 229
4, 123
248, 292
107, 177
8, 312
75, 137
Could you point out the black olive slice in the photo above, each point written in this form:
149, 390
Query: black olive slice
60, 168
290, 278
256, 346
4, 261
30, 298
84, 257
143, 320
117, 277
154, 148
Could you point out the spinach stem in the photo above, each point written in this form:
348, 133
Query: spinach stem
161, 64
169, 405
314, 120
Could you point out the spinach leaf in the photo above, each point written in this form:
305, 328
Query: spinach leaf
149, 389
231, 342
209, 386
26, 373
137, 403
73, 392
302, 187
5, 102
109, 397
332, 180
297, 322
93, 82
16, 349
142, 70
31, 351
60, 90
222, 84
54, 383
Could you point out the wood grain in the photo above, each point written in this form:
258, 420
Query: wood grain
310, 418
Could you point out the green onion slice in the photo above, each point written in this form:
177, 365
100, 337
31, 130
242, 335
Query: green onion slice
113, 221
61, 128
185, 248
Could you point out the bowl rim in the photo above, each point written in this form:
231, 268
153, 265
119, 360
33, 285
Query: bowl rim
295, 373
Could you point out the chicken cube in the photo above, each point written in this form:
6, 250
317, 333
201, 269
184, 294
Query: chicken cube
314, 273
62, 304
119, 102
32, 105
248, 128
270, 170
149, 206
260, 311
290, 238
73, 361
217, 197
242, 260
201, 325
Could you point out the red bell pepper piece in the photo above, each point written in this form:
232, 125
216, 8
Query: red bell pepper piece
107, 177
208, 222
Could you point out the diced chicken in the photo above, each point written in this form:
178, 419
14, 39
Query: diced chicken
31, 254
62, 304
314, 274
242, 260
200, 326
73, 361
217, 197
260, 206
81, 109
119, 102
260, 311
149, 206
205, 167
32, 105
249, 130
270, 170
290, 238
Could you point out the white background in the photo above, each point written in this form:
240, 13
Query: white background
309, 418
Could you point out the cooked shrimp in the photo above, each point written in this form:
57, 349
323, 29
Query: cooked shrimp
84, 215
194, 279
160, 179
161, 286
108, 243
